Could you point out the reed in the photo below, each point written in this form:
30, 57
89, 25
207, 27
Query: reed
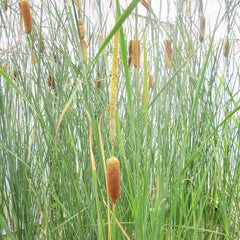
113, 178
26, 14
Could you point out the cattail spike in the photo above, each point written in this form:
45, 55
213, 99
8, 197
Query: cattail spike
202, 28
27, 18
136, 52
83, 48
6, 5
113, 178
226, 48
4, 68
113, 89
81, 28
168, 47
151, 79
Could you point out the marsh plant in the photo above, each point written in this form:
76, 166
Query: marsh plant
152, 86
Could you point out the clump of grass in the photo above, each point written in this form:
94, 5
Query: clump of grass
113, 178
26, 14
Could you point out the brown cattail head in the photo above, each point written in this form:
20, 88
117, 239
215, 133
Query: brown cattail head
27, 18
136, 52
99, 85
51, 82
151, 79
14, 75
83, 47
145, 4
226, 48
6, 5
113, 178
168, 47
130, 52
81, 28
202, 28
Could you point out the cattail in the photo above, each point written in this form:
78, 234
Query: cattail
113, 89
136, 52
14, 75
27, 18
81, 28
83, 47
168, 47
202, 28
4, 68
226, 48
151, 78
99, 85
113, 178
145, 4
51, 82
130, 52
169, 50
167, 60
6, 5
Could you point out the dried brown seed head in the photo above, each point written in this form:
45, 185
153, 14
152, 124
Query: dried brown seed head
136, 52
113, 178
151, 79
27, 18
168, 47
202, 28
226, 48
51, 82
6, 5
83, 47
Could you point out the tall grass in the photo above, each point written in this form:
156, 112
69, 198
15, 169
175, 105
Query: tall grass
177, 142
